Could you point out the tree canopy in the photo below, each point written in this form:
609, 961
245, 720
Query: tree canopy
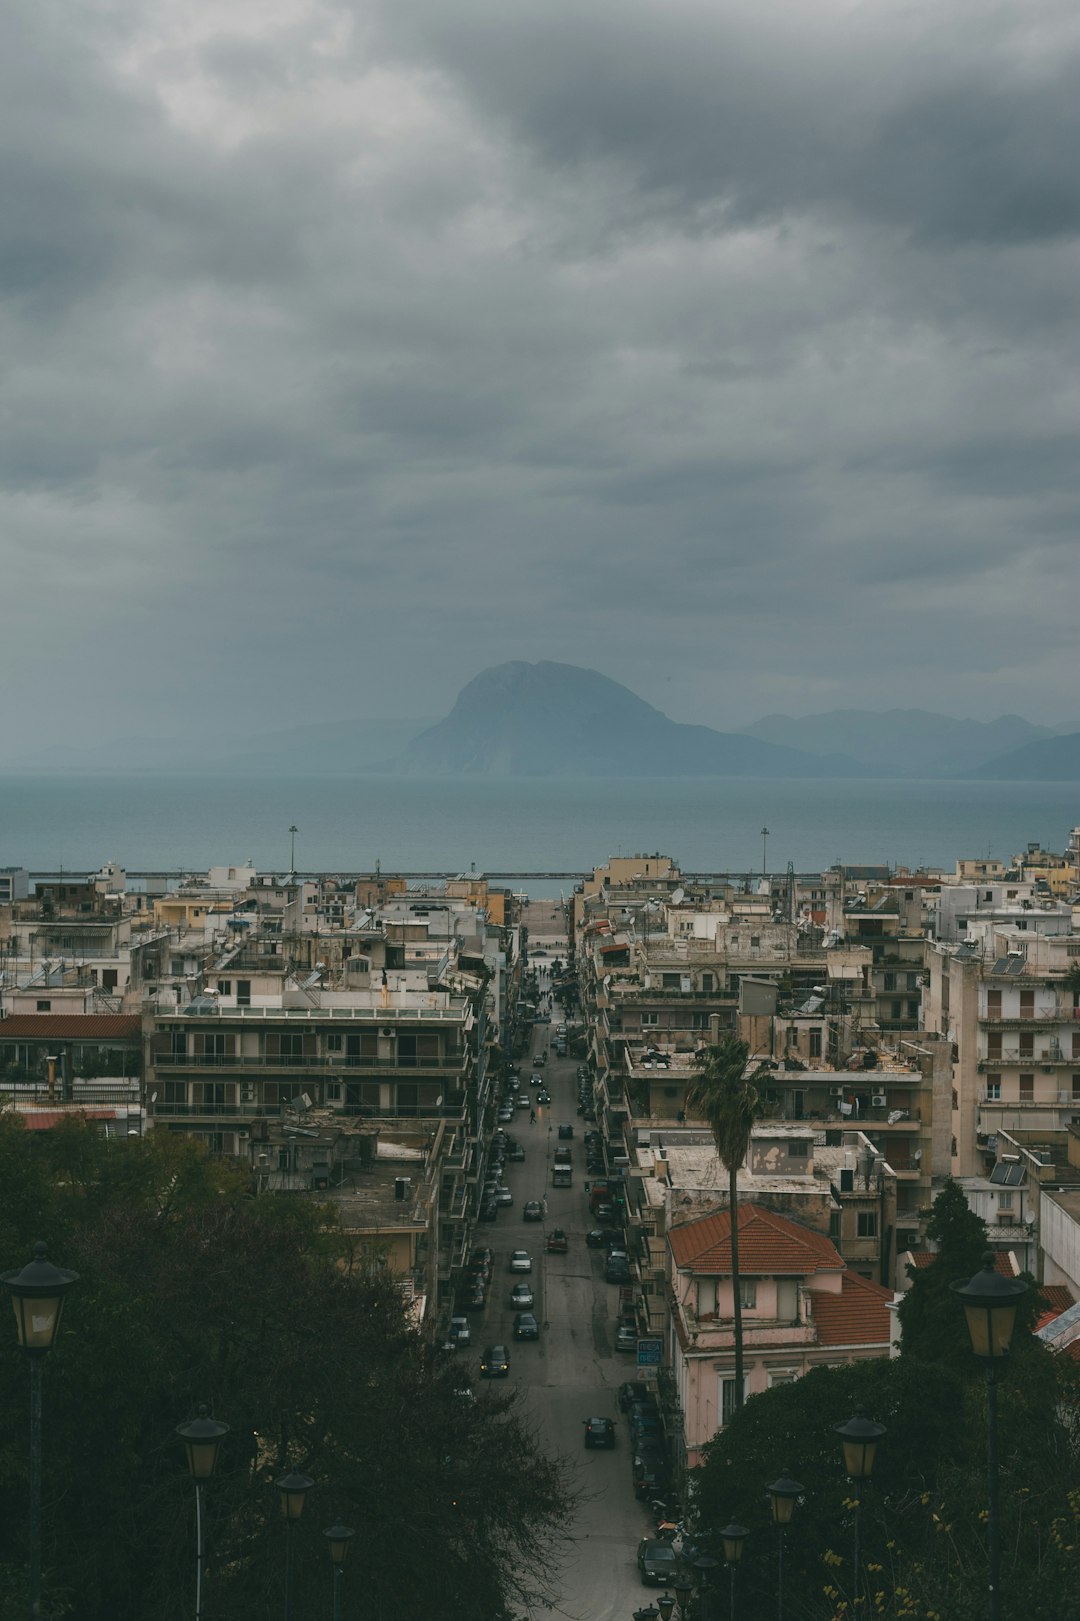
193, 1292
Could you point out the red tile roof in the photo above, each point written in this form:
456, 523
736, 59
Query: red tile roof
42, 1119
770, 1245
71, 1027
1056, 1297
920, 1259
858, 1315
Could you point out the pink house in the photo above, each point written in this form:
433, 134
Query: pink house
801, 1307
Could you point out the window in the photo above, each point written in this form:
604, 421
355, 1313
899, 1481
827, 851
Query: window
913, 982
1005, 1200
1076, 1088
1027, 1089
993, 1004
993, 1044
707, 982
1027, 1004
44, 1007
176, 966
890, 982
650, 1018
224, 987
670, 982
781, 1376
798, 1148
895, 1014
706, 1297
333, 1041
727, 1399
748, 1293
993, 1091
866, 1224
243, 993
815, 1043
755, 940
699, 1021
333, 1092
793, 1035
913, 1009
1027, 1044
174, 1092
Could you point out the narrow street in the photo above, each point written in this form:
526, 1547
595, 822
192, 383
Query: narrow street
573, 1372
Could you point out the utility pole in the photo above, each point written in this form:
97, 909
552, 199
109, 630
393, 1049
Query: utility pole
764, 852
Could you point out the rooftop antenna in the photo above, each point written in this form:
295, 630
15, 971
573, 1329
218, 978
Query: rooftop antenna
764, 852
293, 831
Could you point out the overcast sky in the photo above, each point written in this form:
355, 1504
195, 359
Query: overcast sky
727, 348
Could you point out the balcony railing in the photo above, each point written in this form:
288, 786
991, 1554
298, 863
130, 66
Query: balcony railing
336, 1062
257, 1111
1045, 1100
1014, 1060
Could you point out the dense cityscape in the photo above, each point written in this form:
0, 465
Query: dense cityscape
506, 1108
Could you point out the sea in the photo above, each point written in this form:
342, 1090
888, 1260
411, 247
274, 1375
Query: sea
536, 826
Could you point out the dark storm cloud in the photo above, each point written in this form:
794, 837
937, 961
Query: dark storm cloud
681, 340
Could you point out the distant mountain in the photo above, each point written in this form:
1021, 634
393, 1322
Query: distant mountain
322, 748
546, 720
1052, 759
902, 742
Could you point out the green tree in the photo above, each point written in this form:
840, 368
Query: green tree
191, 1291
729, 1100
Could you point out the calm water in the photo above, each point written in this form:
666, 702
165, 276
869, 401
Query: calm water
543, 825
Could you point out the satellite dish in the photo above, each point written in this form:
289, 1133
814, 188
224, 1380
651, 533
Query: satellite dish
678, 896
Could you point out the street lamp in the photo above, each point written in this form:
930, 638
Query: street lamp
37, 1294
859, 1438
293, 1488
684, 1591
734, 1539
990, 1303
338, 1538
665, 1604
649, 1613
784, 1493
705, 1567
202, 1439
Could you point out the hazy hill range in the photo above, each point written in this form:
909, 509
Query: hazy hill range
543, 720
1051, 759
904, 742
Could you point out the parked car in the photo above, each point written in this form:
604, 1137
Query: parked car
488, 1211
503, 1195
481, 1253
625, 1338
616, 1272
532, 1210
495, 1363
515, 1153
556, 1242
649, 1472
657, 1562
599, 1432
526, 1327
633, 1393
521, 1261
473, 1299
521, 1297
459, 1334
505, 1113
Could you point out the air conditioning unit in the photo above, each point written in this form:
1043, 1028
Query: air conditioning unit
388, 1029
877, 1100
242, 1136
837, 1094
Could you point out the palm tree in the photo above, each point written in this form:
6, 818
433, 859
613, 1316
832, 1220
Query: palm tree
730, 1102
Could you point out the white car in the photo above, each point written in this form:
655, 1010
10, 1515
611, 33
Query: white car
503, 1196
521, 1261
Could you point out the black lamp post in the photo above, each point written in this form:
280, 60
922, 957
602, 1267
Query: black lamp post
990, 1303
293, 1488
649, 1613
37, 1294
734, 1539
665, 1604
784, 1493
202, 1439
705, 1567
338, 1538
859, 1436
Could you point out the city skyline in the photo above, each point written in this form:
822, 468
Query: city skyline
351, 349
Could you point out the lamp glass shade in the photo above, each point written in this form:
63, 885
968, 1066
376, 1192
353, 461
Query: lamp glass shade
859, 1437
202, 1439
338, 1538
684, 1591
293, 1488
665, 1604
990, 1301
734, 1539
37, 1294
783, 1495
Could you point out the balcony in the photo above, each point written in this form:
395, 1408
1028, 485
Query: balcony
1045, 1100
257, 1111
1022, 1021
1051, 1058
335, 1062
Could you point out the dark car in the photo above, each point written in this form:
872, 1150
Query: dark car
526, 1327
566, 1131
483, 1254
633, 1393
645, 1426
473, 1299
594, 1238
599, 1432
657, 1562
556, 1242
616, 1272
495, 1364
488, 1211
625, 1338
532, 1210
543, 1097
515, 1153
649, 1472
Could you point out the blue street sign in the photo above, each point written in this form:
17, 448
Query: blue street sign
648, 1353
